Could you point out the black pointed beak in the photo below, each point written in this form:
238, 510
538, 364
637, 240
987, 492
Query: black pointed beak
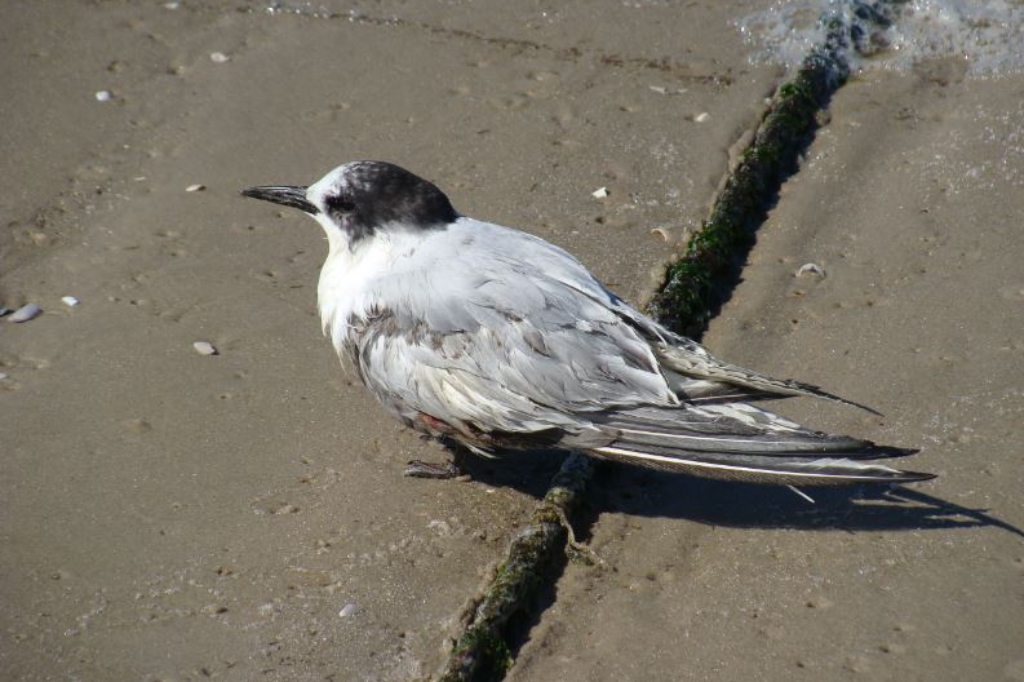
284, 195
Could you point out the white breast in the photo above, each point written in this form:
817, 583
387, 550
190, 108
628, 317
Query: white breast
346, 290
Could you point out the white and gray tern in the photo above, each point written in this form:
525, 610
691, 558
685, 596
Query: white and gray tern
497, 339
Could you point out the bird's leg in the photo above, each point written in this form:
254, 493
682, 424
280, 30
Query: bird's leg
419, 469
448, 470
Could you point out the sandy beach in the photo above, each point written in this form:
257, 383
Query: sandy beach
168, 515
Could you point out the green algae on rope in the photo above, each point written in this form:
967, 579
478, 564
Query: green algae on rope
686, 300
482, 650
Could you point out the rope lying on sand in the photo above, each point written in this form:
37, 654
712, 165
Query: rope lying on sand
481, 651
685, 303
686, 300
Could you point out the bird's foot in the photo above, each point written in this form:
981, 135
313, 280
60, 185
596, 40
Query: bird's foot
420, 469
575, 550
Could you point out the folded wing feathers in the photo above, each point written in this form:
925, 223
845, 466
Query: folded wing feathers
777, 471
691, 360
743, 442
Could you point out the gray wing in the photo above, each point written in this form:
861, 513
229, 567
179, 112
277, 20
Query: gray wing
500, 343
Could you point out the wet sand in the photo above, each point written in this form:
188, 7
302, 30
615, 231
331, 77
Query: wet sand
173, 516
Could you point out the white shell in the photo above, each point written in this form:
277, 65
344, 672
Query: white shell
195, 188
70, 301
600, 193
702, 117
25, 313
218, 57
103, 96
810, 269
349, 609
204, 348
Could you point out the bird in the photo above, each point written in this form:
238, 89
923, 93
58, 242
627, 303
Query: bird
490, 337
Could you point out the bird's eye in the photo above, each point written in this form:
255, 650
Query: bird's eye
341, 204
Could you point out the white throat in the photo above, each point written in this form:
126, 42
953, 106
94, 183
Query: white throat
350, 278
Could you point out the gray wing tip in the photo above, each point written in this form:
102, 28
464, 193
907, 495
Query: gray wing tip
910, 477
764, 469
822, 393
886, 452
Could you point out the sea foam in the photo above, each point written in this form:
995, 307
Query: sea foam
988, 35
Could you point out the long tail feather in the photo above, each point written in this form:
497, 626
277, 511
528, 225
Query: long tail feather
738, 441
774, 470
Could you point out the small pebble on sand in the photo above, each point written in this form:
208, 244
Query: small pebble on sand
810, 269
195, 188
702, 117
103, 96
349, 609
600, 193
219, 57
25, 313
70, 301
204, 348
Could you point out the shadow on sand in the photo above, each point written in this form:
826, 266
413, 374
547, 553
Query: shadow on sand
647, 493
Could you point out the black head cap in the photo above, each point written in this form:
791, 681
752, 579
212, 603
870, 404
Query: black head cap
363, 196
